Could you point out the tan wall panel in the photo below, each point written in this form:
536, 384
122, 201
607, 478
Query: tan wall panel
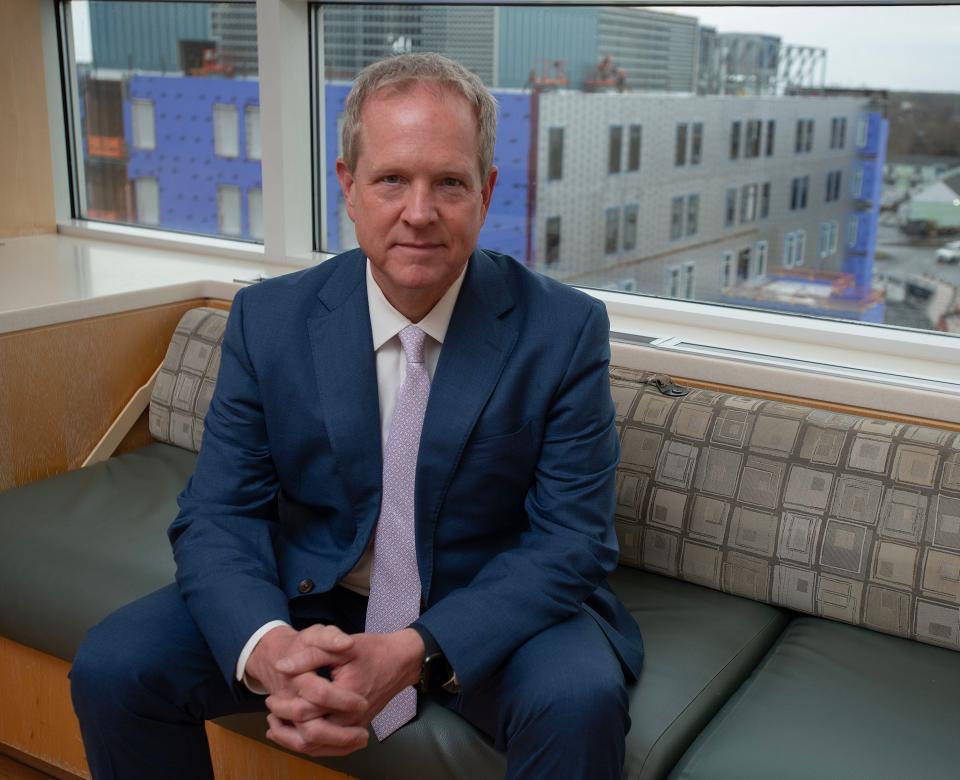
61, 386
26, 174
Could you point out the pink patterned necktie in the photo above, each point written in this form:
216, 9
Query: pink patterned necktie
394, 580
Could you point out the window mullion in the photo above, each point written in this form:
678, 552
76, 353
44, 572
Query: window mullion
285, 129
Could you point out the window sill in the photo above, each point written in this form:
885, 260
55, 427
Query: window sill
77, 274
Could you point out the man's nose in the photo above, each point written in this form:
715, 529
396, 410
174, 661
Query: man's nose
419, 208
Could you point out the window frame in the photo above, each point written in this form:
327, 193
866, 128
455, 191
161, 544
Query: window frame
284, 55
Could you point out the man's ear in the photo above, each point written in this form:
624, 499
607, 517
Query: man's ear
347, 183
486, 192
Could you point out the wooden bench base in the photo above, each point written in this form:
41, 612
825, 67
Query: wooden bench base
37, 720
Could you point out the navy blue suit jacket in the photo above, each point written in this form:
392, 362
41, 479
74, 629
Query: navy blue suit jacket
515, 477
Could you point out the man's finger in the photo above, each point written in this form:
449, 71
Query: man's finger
293, 708
307, 659
328, 695
326, 637
321, 739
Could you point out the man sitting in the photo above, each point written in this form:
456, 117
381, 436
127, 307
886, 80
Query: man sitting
407, 476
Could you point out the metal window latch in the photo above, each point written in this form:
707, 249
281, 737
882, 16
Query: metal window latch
252, 279
666, 386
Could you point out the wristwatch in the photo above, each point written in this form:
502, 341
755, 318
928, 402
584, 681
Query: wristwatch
435, 672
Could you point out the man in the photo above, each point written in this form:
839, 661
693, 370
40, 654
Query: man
419, 421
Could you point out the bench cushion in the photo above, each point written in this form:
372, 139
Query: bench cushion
831, 700
79, 545
700, 645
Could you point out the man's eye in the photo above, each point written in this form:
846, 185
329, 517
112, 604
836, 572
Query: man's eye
391, 179
451, 181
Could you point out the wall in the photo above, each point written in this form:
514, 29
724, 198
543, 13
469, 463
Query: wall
26, 176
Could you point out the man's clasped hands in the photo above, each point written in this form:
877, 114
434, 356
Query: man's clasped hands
311, 714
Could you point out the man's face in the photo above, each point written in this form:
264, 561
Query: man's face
416, 195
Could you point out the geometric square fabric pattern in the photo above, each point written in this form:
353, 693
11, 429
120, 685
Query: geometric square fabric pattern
845, 517
181, 395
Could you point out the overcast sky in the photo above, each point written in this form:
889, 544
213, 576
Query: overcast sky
909, 48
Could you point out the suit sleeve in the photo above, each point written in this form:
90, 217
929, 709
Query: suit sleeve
570, 545
222, 536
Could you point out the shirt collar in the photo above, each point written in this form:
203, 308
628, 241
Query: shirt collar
386, 322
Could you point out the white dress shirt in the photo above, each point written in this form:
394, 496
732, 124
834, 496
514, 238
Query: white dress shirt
385, 323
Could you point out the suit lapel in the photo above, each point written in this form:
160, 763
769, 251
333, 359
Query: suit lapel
479, 339
342, 344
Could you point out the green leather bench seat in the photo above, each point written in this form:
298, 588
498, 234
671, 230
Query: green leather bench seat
835, 701
81, 544
700, 645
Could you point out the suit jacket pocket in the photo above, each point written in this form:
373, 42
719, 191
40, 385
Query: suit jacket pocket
500, 445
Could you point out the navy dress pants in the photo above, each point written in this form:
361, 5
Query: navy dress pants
144, 681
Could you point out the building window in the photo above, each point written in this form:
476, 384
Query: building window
147, 193
255, 208
801, 246
633, 147
771, 131
696, 144
833, 186
555, 154
553, 240
730, 210
838, 132
671, 287
856, 191
631, 215
823, 244
616, 149
798, 192
693, 214
754, 133
689, 278
748, 203
680, 146
834, 236
852, 224
761, 258
251, 121
726, 269
765, 200
612, 234
143, 126
861, 132
743, 265
228, 209
676, 218
804, 139
226, 141
735, 141
789, 249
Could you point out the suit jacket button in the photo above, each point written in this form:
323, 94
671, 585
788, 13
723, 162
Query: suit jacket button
305, 586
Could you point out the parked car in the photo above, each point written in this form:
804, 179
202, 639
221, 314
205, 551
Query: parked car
949, 253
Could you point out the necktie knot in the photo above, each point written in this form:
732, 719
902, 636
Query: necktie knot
412, 339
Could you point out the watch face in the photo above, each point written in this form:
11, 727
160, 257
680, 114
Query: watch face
434, 672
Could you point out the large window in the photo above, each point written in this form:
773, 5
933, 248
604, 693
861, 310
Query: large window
169, 135
168, 98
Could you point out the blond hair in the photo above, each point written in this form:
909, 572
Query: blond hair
403, 71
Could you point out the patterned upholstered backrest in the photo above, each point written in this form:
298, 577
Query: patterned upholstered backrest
184, 387
847, 517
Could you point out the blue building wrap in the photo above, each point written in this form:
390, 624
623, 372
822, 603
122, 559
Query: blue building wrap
506, 228
868, 172
184, 162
